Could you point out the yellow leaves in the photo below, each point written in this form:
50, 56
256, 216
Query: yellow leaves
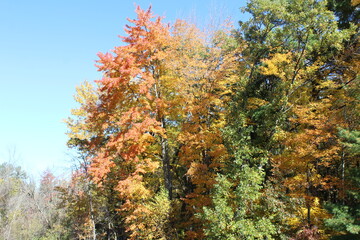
149, 165
133, 188
85, 93
318, 214
158, 216
279, 135
355, 2
278, 65
146, 138
150, 219
86, 96
254, 103
328, 84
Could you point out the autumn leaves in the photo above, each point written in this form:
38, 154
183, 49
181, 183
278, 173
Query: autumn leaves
221, 138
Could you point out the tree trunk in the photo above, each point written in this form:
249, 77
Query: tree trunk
166, 165
308, 203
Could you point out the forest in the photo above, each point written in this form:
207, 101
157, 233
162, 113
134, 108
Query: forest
239, 131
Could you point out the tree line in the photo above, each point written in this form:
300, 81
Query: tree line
241, 132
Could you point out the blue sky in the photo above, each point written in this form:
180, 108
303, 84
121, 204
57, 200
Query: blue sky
47, 48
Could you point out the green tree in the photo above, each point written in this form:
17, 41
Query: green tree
347, 12
346, 212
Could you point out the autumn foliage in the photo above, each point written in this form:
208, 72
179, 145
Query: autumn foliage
233, 134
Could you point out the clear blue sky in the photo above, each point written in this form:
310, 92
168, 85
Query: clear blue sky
47, 48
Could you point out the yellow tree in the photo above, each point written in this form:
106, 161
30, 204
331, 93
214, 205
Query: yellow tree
207, 69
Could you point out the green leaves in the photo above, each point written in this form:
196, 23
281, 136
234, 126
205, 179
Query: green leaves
351, 140
344, 219
235, 214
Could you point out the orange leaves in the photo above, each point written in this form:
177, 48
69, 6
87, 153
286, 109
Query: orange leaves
100, 167
134, 104
204, 179
311, 147
146, 36
159, 109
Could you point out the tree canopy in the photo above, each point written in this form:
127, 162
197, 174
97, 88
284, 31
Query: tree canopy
243, 132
